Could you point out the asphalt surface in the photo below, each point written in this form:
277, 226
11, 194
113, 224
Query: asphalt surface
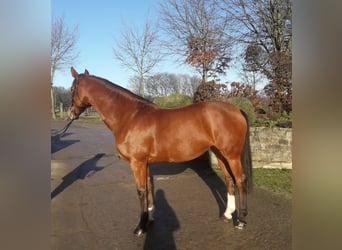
94, 203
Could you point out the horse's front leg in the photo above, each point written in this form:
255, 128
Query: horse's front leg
150, 200
140, 171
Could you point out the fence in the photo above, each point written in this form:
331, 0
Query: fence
88, 113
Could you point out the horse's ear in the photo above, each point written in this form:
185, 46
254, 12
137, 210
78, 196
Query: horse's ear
86, 72
74, 73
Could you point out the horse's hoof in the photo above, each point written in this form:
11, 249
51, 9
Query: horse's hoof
226, 218
240, 225
138, 232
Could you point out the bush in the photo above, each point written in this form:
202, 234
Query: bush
172, 101
274, 119
246, 105
209, 91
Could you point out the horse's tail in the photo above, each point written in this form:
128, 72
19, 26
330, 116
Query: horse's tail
246, 157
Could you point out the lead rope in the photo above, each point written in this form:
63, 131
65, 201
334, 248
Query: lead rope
62, 131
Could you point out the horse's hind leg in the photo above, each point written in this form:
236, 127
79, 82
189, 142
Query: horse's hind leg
231, 207
230, 191
240, 181
233, 172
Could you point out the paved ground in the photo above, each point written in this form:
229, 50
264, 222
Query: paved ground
94, 204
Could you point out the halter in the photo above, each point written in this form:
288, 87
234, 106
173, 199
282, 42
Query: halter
74, 89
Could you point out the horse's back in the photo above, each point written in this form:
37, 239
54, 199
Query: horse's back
224, 119
209, 113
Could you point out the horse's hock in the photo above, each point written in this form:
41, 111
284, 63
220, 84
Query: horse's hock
271, 147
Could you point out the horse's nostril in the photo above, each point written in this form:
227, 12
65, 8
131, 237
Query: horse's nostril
71, 113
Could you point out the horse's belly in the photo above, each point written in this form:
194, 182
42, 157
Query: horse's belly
178, 152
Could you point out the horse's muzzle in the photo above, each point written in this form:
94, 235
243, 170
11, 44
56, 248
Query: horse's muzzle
71, 114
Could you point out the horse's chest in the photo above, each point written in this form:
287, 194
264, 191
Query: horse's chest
128, 151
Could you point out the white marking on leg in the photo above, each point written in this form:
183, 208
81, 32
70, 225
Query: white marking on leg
230, 206
150, 213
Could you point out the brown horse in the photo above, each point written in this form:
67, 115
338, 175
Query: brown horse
145, 133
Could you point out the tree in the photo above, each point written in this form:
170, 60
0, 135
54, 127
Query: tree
250, 71
63, 50
162, 84
62, 95
246, 91
196, 31
188, 84
166, 84
265, 27
139, 51
134, 84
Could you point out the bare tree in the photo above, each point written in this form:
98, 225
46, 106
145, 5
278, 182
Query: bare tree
62, 95
134, 84
139, 51
162, 84
265, 27
196, 31
188, 84
63, 50
166, 84
250, 76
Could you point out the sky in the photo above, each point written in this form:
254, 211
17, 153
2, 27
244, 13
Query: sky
100, 23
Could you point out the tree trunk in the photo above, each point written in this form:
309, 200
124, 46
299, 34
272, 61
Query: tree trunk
142, 87
204, 74
53, 115
61, 113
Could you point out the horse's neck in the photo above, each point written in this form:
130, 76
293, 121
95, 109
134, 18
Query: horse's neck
114, 108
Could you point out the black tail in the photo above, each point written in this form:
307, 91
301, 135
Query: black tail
246, 157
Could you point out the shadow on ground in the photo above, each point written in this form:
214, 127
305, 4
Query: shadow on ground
86, 169
202, 167
58, 144
160, 233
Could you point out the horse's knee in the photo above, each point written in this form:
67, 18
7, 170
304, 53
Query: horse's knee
141, 193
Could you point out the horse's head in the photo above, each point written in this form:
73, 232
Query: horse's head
78, 105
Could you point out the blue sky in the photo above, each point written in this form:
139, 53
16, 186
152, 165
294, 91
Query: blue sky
100, 24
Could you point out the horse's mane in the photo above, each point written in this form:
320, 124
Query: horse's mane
124, 91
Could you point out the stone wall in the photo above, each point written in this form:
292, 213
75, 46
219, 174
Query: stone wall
271, 147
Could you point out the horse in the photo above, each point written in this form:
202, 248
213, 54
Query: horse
145, 133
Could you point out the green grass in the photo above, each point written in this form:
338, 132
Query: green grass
275, 180
90, 119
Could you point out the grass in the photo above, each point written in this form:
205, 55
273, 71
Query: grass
275, 180
81, 118
90, 119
